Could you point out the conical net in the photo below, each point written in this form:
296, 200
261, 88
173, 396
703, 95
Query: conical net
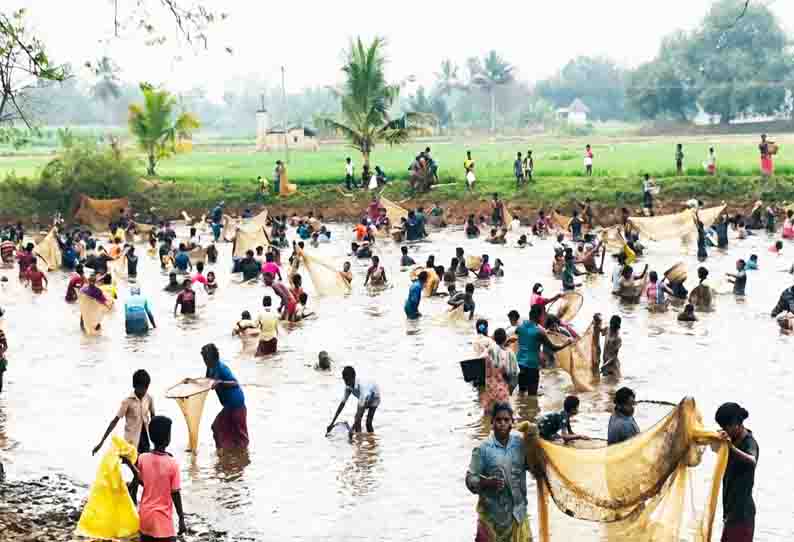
579, 359
190, 396
92, 313
49, 251
325, 277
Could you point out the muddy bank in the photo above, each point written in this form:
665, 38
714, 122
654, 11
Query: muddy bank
47, 509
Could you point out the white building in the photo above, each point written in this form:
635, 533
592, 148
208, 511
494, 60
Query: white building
575, 114
273, 138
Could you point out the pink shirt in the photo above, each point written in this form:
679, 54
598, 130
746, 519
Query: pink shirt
270, 267
198, 277
160, 477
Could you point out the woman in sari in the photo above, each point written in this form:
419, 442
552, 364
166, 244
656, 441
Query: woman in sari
498, 475
767, 166
501, 372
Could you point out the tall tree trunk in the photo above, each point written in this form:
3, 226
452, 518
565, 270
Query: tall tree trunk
493, 110
152, 164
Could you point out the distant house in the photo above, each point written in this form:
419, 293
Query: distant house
273, 139
575, 114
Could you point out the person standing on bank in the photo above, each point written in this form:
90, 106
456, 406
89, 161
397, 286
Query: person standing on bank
679, 159
738, 507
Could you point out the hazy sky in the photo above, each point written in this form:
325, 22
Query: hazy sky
307, 37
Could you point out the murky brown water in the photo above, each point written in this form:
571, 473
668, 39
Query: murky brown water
405, 482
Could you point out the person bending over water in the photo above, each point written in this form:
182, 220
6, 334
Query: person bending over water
368, 395
415, 296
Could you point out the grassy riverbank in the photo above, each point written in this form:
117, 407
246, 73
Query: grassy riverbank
199, 179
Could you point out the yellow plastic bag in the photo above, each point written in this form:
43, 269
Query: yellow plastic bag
109, 512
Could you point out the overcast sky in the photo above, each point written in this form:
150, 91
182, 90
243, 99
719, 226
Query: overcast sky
537, 36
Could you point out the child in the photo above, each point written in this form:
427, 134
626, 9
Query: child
588, 161
655, 291
300, 308
158, 472
211, 285
244, 324
485, 269
464, 299
777, 248
497, 270
323, 362
199, 275
406, 260
611, 366
752, 264
137, 411
557, 425
689, 314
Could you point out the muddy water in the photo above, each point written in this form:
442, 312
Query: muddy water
405, 482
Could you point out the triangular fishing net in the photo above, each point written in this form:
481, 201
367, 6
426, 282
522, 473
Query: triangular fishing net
675, 226
647, 489
99, 213
248, 237
92, 313
324, 276
393, 211
568, 306
190, 397
560, 221
579, 359
109, 512
49, 251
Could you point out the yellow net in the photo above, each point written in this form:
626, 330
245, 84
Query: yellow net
508, 218
325, 277
190, 397
99, 213
248, 237
49, 251
643, 489
229, 228
118, 267
109, 512
393, 211
433, 280
568, 306
197, 255
92, 312
562, 222
675, 226
579, 359
677, 273
285, 187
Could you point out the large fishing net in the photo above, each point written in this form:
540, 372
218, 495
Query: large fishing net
92, 312
432, 283
197, 255
393, 211
325, 277
248, 237
109, 513
568, 306
647, 489
229, 228
579, 359
560, 221
49, 251
190, 396
97, 214
675, 226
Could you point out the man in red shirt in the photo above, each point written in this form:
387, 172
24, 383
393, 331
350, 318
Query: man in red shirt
36, 278
186, 299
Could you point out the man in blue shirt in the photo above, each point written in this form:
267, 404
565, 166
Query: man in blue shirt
217, 213
230, 428
415, 296
530, 338
137, 313
70, 257
182, 260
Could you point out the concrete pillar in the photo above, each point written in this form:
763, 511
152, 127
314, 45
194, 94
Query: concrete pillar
262, 127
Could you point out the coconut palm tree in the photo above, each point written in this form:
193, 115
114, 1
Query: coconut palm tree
107, 86
157, 127
492, 73
366, 98
447, 79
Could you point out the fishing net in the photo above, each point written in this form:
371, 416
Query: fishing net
144, 228
433, 280
190, 396
92, 312
49, 251
568, 306
473, 263
579, 359
259, 220
248, 237
613, 238
508, 218
647, 489
97, 214
560, 221
393, 211
325, 277
110, 513
285, 187
229, 228
677, 273
197, 255
675, 226
118, 267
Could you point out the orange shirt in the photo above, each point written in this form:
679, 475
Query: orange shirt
361, 232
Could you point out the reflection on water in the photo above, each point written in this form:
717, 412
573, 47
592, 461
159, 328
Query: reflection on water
405, 482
